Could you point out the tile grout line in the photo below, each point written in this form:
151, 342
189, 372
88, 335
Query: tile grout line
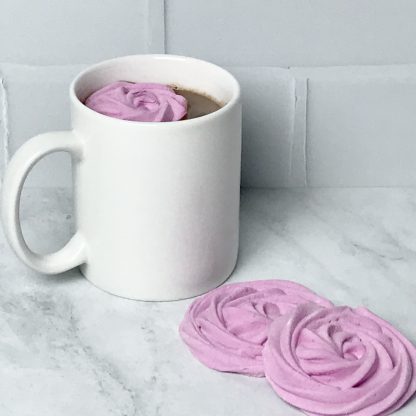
305, 147
293, 133
156, 33
163, 29
298, 171
5, 133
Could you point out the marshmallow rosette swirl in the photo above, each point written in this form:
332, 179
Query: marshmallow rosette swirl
339, 361
138, 102
226, 329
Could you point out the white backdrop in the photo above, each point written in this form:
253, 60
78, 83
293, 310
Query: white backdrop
329, 86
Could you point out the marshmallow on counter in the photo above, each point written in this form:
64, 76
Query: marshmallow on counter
339, 362
226, 329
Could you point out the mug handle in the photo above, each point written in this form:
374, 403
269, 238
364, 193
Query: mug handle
74, 252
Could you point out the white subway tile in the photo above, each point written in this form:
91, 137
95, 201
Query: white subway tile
67, 32
355, 125
293, 32
361, 126
38, 102
268, 120
37, 99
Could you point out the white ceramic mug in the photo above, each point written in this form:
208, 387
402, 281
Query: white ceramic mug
156, 204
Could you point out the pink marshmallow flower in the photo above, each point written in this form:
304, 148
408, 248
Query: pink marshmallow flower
226, 329
339, 362
138, 102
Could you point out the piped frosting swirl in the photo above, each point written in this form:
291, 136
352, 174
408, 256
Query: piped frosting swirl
226, 329
138, 102
339, 361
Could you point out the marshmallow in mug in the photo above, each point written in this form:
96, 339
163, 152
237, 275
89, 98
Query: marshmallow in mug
138, 102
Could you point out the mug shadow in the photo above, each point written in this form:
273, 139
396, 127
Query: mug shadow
257, 224
64, 278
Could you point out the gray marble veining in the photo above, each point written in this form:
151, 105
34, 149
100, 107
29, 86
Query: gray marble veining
67, 348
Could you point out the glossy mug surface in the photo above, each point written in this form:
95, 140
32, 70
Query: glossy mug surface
156, 204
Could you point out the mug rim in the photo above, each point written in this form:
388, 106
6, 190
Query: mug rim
236, 92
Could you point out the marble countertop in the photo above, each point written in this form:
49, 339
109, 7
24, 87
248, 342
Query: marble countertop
67, 348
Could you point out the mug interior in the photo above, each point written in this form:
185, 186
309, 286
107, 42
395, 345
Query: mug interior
186, 73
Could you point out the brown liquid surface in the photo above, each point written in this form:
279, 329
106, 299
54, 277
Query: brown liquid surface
198, 104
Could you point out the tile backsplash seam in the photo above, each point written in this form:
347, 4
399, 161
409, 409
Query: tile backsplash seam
306, 142
298, 162
156, 26
4, 125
